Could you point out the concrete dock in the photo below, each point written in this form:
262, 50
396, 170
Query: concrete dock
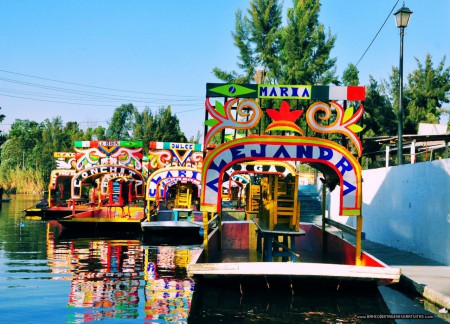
429, 278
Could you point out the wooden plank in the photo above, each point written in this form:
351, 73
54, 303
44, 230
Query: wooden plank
342, 227
278, 231
286, 248
294, 269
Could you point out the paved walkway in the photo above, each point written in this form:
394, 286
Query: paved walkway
429, 278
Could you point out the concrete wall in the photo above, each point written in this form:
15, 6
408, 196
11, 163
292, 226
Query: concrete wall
407, 207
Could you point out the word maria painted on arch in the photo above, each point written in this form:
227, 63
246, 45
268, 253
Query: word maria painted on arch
307, 150
286, 92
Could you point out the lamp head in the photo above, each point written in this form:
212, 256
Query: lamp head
402, 16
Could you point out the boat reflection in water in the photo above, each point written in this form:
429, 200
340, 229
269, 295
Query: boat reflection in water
168, 290
122, 279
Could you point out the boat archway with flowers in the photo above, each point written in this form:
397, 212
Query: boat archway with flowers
108, 176
260, 245
173, 189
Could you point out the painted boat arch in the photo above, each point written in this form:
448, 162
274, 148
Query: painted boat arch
56, 177
110, 177
55, 174
157, 178
101, 170
167, 183
283, 148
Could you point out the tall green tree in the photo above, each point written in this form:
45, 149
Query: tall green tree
23, 137
145, 127
258, 38
379, 114
167, 127
73, 132
265, 29
98, 133
122, 123
429, 89
424, 94
298, 53
56, 137
306, 47
350, 77
18, 155
241, 37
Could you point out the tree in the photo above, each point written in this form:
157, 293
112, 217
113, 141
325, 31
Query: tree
91, 134
265, 30
306, 48
379, 117
258, 38
167, 127
27, 154
122, 123
197, 138
18, 156
74, 133
55, 138
144, 128
423, 96
429, 89
2, 137
247, 63
298, 53
350, 77
24, 136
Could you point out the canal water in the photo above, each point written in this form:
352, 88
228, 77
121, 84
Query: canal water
46, 277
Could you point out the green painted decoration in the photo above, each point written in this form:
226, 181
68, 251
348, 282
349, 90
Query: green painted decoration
231, 90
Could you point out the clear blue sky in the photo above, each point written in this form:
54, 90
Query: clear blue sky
160, 53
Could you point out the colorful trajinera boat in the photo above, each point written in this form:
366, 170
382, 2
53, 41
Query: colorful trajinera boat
108, 174
174, 187
57, 201
271, 243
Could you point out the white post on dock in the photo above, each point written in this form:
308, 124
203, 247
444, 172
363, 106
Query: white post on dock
413, 152
387, 155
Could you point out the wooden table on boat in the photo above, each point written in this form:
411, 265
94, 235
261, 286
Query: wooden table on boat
270, 245
177, 211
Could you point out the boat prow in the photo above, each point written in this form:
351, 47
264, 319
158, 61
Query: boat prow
242, 253
103, 220
170, 227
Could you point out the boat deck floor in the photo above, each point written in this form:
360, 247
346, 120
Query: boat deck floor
231, 256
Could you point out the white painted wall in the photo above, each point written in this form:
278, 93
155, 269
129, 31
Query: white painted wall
407, 207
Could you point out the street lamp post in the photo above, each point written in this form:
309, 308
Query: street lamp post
402, 17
